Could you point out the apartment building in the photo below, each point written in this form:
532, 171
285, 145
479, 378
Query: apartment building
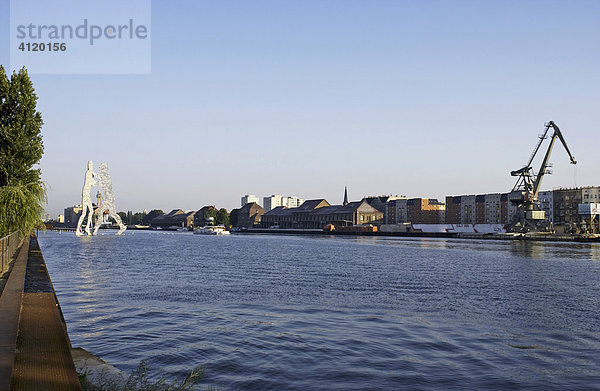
467, 209
492, 208
396, 211
566, 203
590, 195
452, 210
72, 215
425, 211
276, 200
546, 203
480, 209
248, 199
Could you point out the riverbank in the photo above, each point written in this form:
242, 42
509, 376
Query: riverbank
94, 371
447, 235
33, 327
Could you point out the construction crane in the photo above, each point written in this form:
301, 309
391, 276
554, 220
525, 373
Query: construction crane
525, 192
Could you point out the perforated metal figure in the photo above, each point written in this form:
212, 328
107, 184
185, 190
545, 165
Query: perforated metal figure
108, 201
86, 201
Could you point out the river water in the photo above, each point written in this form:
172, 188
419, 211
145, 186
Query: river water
264, 312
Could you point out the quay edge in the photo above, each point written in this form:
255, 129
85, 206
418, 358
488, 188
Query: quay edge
449, 235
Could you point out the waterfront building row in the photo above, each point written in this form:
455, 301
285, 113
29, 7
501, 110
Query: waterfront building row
561, 206
493, 208
175, 218
317, 213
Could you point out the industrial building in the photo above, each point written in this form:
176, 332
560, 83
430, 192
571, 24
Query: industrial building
567, 204
315, 214
177, 218
250, 215
205, 216
380, 202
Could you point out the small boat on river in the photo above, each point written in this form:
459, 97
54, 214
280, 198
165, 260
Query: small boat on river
211, 230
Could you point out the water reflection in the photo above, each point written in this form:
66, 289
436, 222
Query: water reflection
520, 248
594, 251
528, 249
568, 250
425, 243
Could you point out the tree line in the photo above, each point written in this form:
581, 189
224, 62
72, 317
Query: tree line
22, 191
219, 216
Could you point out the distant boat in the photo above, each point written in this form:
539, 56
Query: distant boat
177, 228
211, 230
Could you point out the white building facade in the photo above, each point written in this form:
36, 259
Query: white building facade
275, 200
249, 198
293, 202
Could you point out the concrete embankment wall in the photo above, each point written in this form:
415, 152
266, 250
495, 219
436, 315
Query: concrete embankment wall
35, 351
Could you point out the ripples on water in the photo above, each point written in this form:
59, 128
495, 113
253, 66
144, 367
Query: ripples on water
321, 313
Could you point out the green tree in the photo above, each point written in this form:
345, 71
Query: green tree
22, 191
138, 218
211, 212
222, 217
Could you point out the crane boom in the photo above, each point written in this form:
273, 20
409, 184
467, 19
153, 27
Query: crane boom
525, 191
564, 143
538, 180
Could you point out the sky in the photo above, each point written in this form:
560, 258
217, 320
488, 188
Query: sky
415, 98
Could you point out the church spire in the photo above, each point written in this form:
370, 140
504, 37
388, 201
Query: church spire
345, 195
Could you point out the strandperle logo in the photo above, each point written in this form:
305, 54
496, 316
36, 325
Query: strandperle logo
84, 31
81, 36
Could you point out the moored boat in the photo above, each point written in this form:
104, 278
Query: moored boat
212, 230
